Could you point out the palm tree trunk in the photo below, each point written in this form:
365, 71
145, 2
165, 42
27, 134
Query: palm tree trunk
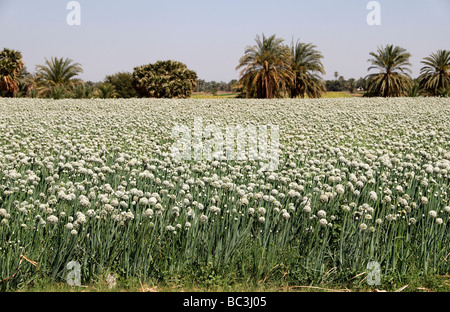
266, 82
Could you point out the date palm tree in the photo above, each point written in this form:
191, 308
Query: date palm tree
11, 65
393, 78
105, 90
59, 71
306, 65
164, 79
266, 70
435, 75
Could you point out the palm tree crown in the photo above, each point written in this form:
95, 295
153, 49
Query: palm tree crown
306, 65
393, 78
266, 69
435, 75
58, 71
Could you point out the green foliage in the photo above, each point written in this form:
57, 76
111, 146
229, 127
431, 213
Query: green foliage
351, 85
164, 79
435, 75
58, 71
82, 91
335, 85
123, 84
306, 65
445, 92
271, 69
106, 91
210, 86
415, 89
393, 79
11, 65
57, 92
266, 68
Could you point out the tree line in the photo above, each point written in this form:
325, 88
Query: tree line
271, 69
268, 69
214, 87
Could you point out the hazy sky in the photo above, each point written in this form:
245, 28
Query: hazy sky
210, 36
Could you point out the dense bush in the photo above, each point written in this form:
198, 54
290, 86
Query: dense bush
164, 79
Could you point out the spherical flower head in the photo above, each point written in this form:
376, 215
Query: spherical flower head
323, 222
378, 221
307, 209
204, 218
243, 201
84, 201
187, 225
170, 228
373, 196
90, 213
74, 232
129, 215
447, 209
214, 209
152, 201
291, 207
363, 226
109, 208
262, 219
81, 218
143, 201
424, 200
69, 226
340, 189
3, 212
52, 219
286, 215
323, 198
261, 210
148, 213
439, 221
321, 214
251, 211
432, 213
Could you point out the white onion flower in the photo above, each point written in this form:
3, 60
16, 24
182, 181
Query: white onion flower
52, 219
